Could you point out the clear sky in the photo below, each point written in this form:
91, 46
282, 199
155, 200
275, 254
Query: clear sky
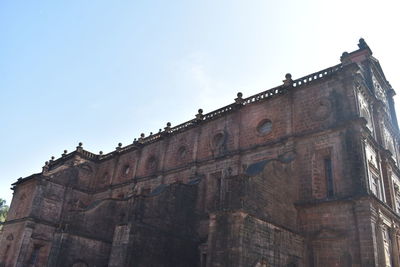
102, 72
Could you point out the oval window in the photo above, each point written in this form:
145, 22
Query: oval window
264, 127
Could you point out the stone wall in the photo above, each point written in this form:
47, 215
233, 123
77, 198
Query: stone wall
277, 179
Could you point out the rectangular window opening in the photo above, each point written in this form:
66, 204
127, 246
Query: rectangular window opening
203, 260
329, 177
375, 187
219, 192
34, 255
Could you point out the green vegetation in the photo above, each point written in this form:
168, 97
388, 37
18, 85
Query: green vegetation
3, 212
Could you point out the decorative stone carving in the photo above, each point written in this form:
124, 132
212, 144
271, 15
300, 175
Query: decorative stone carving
371, 155
365, 110
379, 91
388, 139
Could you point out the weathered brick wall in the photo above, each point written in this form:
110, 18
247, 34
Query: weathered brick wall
162, 229
347, 165
22, 201
263, 241
251, 187
98, 220
69, 249
272, 194
338, 234
239, 239
11, 240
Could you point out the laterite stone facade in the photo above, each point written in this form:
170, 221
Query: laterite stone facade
305, 174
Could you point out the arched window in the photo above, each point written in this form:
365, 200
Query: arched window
151, 164
126, 169
182, 152
365, 113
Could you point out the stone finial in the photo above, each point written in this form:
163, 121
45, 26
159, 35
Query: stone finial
151, 133
362, 44
239, 100
100, 152
159, 130
347, 58
199, 115
46, 166
141, 138
79, 147
65, 153
168, 128
119, 146
344, 57
52, 158
288, 79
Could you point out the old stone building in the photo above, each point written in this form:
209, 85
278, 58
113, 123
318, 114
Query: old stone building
303, 174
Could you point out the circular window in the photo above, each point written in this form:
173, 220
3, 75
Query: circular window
182, 152
264, 127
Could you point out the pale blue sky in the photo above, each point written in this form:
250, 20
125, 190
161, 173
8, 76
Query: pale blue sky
102, 72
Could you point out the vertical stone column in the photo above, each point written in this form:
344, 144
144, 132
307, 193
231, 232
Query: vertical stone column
391, 93
56, 248
119, 249
365, 180
24, 249
379, 242
394, 231
225, 246
366, 238
387, 182
212, 228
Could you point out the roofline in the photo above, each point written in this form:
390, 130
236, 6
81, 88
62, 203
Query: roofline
200, 118
288, 85
22, 180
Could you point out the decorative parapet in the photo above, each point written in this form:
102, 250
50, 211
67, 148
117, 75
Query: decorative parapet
317, 75
287, 85
88, 155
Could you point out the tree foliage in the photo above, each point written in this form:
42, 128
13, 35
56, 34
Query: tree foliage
3, 211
